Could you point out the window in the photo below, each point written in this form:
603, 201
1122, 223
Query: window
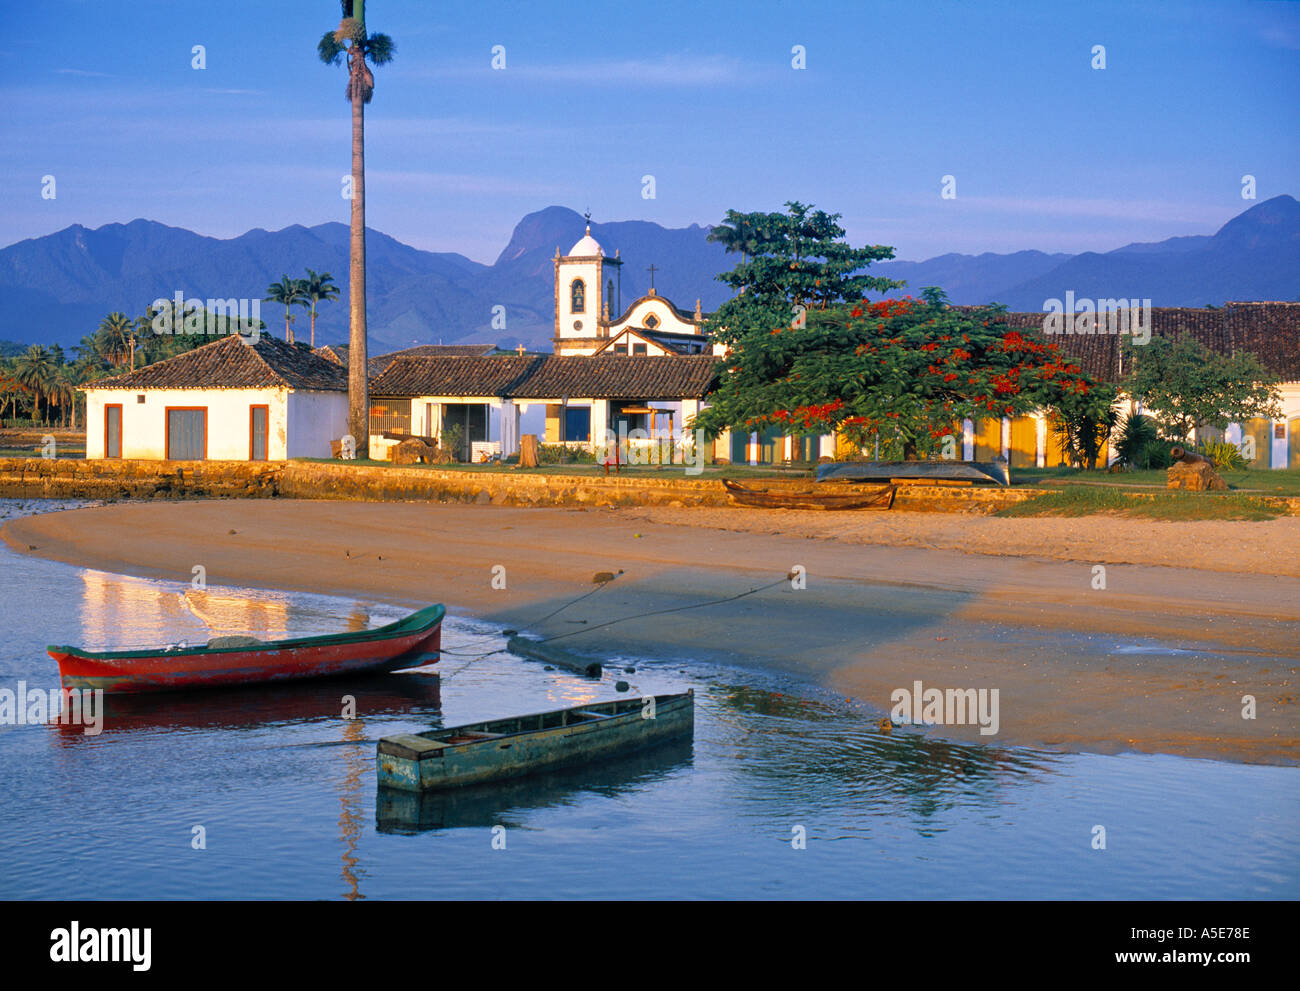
577, 423
187, 433
620, 349
652, 321
578, 296
390, 416
257, 428
113, 431
638, 349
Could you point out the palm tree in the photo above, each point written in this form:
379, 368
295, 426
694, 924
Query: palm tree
350, 39
115, 338
287, 292
62, 392
35, 370
318, 287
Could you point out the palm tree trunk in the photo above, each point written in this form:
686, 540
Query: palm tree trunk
358, 386
313, 325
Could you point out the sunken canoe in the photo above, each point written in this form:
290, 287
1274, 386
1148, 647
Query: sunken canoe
520, 745
227, 661
922, 471
776, 498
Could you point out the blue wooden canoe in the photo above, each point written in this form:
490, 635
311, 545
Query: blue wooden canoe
506, 748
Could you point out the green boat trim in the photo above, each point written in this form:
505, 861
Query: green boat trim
496, 749
422, 619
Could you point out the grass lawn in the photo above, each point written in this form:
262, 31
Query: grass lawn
1262, 481
1080, 500
34, 452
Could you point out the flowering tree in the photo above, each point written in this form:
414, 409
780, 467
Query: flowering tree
900, 372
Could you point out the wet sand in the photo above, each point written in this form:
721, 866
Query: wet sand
1194, 616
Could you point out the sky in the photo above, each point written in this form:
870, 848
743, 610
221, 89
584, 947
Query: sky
1045, 151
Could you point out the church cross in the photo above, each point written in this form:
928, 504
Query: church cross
652, 270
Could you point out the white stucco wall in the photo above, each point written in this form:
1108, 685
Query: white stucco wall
315, 419
668, 319
589, 271
298, 424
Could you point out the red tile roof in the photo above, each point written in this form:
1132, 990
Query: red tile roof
1269, 331
551, 377
229, 363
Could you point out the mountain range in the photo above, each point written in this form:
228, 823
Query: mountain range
54, 289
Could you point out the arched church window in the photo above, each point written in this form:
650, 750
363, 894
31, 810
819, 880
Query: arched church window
652, 321
578, 296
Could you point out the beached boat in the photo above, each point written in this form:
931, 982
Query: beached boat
508, 748
919, 471
778, 498
226, 661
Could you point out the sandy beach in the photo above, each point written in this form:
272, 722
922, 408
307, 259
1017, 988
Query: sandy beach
1193, 616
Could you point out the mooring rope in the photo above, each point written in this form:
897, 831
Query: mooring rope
662, 612
621, 619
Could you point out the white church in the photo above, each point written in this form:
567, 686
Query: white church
587, 284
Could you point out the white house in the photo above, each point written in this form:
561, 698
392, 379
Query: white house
226, 401
584, 396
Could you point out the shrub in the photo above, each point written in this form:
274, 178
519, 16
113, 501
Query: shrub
453, 441
1224, 455
562, 454
1156, 454
1140, 446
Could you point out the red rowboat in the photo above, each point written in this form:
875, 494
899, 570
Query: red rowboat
225, 661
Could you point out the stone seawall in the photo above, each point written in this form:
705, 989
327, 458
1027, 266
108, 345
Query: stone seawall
68, 478
326, 480
71, 478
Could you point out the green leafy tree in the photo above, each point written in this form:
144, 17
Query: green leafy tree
350, 41
1083, 420
1188, 386
790, 262
318, 286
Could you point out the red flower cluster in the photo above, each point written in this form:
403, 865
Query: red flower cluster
890, 307
1015, 341
808, 415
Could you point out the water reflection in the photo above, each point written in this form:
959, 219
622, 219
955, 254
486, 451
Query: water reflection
408, 812
350, 812
123, 613
819, 757
417, 695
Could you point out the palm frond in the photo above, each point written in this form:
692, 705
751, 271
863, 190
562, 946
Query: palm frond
380, 49
329, 50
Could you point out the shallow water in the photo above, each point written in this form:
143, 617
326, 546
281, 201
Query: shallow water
284, 789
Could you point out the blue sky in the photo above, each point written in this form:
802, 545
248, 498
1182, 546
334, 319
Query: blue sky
1047, 152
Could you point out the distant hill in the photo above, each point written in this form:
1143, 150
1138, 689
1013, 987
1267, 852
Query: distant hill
1254, 256
56, 288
